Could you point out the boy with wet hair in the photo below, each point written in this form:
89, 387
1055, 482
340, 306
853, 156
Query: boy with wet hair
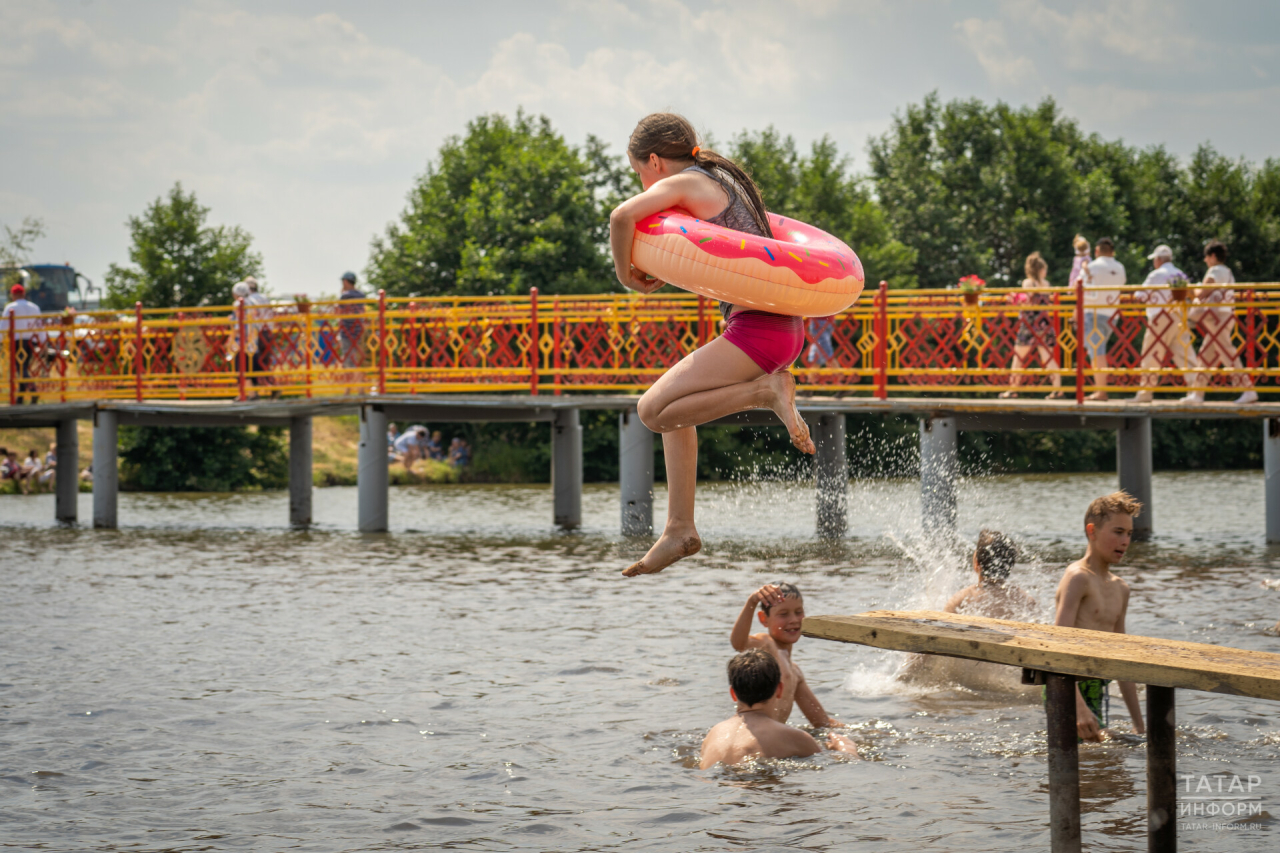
992, 595
1090, 596
782, 614
755, 682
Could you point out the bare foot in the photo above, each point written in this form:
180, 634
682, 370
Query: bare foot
671, 546
782, 388
1098, 395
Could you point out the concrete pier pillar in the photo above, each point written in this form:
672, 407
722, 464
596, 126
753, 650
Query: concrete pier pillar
831, 474
371, 471
939, 466
106, 471
566, 468
1133, 462
1271, 464
67, 478
300, 471
635, 474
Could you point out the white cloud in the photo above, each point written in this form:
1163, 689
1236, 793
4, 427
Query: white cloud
309, 128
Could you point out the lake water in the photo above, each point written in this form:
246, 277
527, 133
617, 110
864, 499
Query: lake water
207, 679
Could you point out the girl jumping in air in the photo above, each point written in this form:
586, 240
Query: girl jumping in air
746, 367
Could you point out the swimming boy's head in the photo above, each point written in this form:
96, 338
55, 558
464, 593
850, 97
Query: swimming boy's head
994, 556
1108, 523
754, 677
784, 619
665, 144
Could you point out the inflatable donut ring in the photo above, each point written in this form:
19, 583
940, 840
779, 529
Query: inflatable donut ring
801, 271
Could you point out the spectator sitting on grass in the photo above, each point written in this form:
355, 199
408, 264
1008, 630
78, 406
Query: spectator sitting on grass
393, 433
8, 465
411, 447
50, 470
30, 472
459, 453
435, 447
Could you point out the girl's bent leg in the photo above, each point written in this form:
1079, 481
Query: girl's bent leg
679, 536
718, 380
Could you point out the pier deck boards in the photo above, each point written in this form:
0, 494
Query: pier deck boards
1061, 655
1068, 651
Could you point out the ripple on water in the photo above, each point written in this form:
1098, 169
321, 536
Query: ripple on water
208, 677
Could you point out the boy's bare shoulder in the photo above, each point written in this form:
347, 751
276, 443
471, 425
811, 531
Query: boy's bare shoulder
762, 641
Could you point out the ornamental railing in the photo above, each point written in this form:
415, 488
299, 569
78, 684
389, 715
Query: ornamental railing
892, 342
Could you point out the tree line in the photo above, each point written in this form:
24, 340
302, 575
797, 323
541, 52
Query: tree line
951, 189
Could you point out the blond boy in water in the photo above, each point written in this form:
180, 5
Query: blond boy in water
1090, 596
755, 683
782, 614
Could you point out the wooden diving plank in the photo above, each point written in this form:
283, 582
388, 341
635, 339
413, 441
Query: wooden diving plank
1070, 651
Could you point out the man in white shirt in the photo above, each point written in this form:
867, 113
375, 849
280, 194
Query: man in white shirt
28, 337
1217, 323
1102, 280
259, 332
1167, 335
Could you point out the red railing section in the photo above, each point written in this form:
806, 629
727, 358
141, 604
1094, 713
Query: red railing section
891, 342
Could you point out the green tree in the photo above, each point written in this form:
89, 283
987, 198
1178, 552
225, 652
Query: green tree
819, 189
202, 459
178, 260
975, 188
506, 207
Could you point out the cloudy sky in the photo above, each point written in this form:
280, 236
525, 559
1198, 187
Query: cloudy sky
306, 122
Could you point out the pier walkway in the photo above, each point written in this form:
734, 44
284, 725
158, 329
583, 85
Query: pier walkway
941, 419
937, 355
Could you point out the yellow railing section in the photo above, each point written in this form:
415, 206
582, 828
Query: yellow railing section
920, 342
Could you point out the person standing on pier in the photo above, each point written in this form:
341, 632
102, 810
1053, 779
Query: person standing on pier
1167, 335
1217, 321
746, 367
1102, 280
27, 338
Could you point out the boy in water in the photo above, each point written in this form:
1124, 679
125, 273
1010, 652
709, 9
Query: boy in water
992, 596
782, 614
755, 683
1090, 596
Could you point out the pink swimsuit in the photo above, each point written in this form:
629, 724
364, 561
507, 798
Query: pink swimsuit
772, 341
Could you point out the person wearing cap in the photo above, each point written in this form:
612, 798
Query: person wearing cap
27, 338
1167, 335
352, 330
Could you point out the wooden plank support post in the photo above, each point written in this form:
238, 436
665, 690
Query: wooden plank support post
371, 471
300, 482
1162, 768
1133, 462
1064, 764
106, 473
67, 479
831, 474
635, 474
566, 468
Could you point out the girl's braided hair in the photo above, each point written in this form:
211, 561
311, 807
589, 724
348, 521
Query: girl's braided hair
672, 136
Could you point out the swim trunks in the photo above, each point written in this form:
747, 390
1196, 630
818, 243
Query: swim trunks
1096, 698
772, 341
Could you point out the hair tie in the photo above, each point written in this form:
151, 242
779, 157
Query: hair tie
696, 149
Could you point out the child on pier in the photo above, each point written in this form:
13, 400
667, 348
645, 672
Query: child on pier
993, 595
782, 614
755, 682
1090, 596
746, 367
